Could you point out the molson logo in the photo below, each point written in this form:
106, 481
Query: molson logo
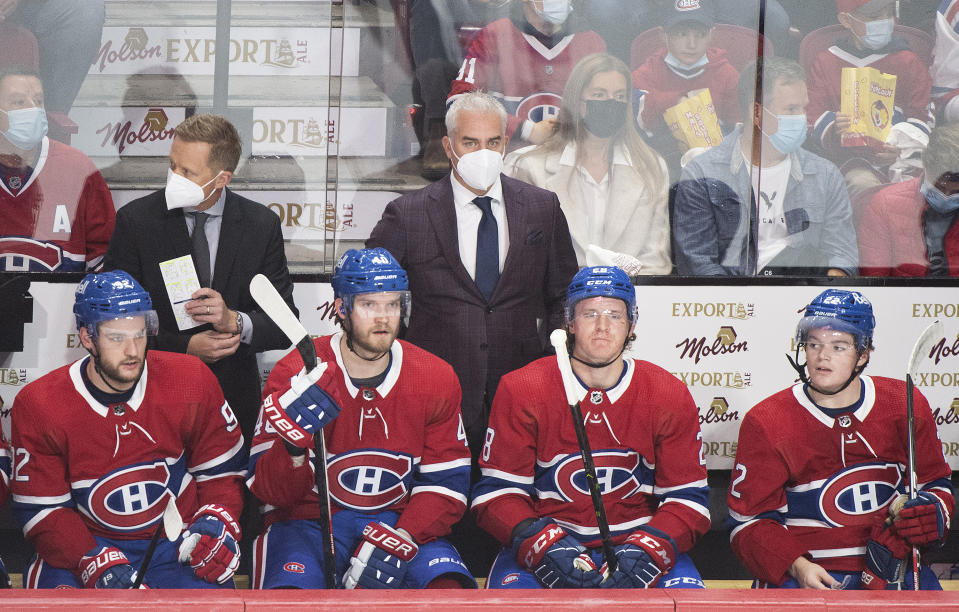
718, 412
724, 344
730, 380
727, 310
952, 415
300, 132
941, 350
152, 129
134, 48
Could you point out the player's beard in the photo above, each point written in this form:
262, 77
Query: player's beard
375, 339
121, 373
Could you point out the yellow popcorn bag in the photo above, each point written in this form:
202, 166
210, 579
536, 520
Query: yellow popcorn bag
693, 122
867, 97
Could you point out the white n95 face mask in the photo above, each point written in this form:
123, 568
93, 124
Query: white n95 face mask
181, 192
479, 169
554, 11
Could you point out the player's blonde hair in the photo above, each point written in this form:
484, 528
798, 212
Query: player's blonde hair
217, 132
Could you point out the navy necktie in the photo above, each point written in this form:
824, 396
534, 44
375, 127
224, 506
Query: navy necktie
201, 249
487, 248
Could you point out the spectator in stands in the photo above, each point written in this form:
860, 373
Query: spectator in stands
758, 203
524, 61
68, 37
487, 256
610, 183
686, 66
945, 65
909, 228
870, 44
57, 211
239, 239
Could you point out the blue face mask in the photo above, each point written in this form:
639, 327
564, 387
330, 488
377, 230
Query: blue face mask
27, 127
790, 134
939, 201
878, 33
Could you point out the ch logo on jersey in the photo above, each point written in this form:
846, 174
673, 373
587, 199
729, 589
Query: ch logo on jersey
130, 498
293, 567
368, 479
34, 254
539, 106
616, 472
855, 495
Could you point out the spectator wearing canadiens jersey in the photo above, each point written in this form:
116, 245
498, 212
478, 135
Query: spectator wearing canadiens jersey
398, 464
57, 211
819, 467
104, 444
643, 429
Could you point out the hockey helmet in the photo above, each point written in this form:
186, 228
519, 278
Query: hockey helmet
369, 271
840, 310
600, 281
112, 295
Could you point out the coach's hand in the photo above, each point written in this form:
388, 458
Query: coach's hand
382, 558
557, 560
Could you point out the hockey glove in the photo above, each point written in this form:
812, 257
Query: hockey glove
886, 555
210, 544
382, 558
306, 408
641, 560
921, 520
106, 568
557, 560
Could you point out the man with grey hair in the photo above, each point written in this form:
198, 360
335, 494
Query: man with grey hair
759, 203
488, 258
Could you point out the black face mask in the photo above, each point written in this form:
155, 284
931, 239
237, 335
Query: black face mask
604, 117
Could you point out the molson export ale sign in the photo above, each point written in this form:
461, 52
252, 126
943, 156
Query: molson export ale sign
125, 131
314, 131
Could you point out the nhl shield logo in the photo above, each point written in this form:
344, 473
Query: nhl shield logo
368, 395
16, 182
118, 409
845, 421
549, 69
596, 397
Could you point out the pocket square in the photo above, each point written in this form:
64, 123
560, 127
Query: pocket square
534, 237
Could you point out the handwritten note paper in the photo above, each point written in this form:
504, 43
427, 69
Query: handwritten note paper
179, 276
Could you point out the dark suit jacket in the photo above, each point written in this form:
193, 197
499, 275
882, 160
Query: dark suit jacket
251, 242
450, 317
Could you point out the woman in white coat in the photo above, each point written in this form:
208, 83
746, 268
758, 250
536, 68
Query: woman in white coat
611, 185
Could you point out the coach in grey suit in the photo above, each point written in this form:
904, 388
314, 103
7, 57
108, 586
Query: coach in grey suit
486, 314
243, 238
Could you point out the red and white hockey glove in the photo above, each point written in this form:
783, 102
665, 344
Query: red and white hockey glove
645, 556
557, 560
210, 544
106, 568
886, 555
921, 521
301, 410
381, 560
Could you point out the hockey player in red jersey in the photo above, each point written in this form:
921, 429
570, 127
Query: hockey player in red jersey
524, 61
644, 433
398, 464
820, 464
104, 443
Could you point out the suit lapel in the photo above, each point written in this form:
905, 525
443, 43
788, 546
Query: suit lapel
442, 214
231, 237
173, 238
516, 222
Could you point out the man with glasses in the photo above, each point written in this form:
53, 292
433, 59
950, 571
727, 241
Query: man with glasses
643, 428
398, 464
813, 497
100, 446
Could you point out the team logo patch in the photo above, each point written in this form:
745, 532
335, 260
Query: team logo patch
619, 474
596, 397
539, 106
510, 578
15, 182
368, 395
369, 479
130, 498
845, 421
856, 495
294, 567
47, 255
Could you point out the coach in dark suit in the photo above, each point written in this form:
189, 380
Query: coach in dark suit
488, 258
239, 239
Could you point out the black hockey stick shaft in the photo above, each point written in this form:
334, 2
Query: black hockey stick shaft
148, 556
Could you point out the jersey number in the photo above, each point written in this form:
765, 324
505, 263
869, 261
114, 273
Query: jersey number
228, 416
742, 476
468, 75
461, 432
20, 465
489, 442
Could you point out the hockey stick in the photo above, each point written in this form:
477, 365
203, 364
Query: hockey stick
919, 351
574, 395
171, 526
273, 305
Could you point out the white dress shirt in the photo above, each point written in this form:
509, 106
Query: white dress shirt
468, 216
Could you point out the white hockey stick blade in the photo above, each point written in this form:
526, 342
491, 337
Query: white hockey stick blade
922, 347
172, 521
270, 300
574, 392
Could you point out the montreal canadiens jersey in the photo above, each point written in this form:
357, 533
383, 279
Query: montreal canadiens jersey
86, 469
399, 447
520, 71
646, 444
808, 484
913, 85
60, 219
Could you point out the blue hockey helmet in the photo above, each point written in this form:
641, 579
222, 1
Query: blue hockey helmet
841, 310
368, 271
112, 295
601, 281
